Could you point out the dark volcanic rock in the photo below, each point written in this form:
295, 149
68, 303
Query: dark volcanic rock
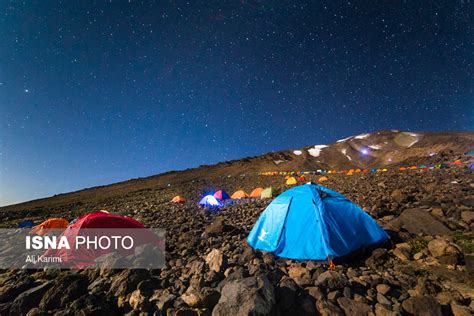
29, 299
250, 296
377, 259
354, 308
218, 226
422, 306
411, 219
66, 289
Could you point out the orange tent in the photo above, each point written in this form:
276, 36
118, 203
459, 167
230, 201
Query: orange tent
322, 179
412, 167
256, 192
357, 170
50, 223
457, 162
291, 181
403, 168
239, 195
178, 199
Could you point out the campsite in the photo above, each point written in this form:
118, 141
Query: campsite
396, 242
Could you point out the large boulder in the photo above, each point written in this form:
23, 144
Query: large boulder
467, 216
440, 247
249, 296
217, 227
66, 289
29, 299
301, 275
216, 260
410, 220
422, 306
377, 259
354, 308
332, 280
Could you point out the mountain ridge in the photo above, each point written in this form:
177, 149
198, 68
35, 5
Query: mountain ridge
383, 148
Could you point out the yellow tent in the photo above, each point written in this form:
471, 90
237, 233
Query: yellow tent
291, 181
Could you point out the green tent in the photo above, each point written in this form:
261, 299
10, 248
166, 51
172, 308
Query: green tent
267, 193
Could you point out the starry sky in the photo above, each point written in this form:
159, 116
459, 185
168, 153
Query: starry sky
95, 92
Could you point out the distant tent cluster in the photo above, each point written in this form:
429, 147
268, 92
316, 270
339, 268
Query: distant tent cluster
292, 177
218, 198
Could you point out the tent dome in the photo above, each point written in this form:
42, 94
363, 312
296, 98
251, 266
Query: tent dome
50, 223
312, 222
83, 256
27, 223
209, 201
256, 193
239, 195
178, 199
221, 195
267, 193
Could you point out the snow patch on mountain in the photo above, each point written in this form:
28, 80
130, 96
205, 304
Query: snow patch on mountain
344, 152
297, 152
344, 139
376, 147
362, 136
412, 143
316, 150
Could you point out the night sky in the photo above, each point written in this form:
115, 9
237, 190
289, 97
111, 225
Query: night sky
97, 92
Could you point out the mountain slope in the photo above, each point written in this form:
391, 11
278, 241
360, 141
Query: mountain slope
385, 148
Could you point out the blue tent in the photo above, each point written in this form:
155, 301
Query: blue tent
26, 224
469, 153
209, 201
313, 222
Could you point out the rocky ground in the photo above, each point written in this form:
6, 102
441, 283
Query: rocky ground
210, 269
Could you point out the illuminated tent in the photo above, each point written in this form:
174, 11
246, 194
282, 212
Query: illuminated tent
239, 195
312, 222
51, 223
302, 178
457, 162
178, 199
291, 180
27, 223
267, 193
209, 201
221, 195
96, 224
322, 179
256, 192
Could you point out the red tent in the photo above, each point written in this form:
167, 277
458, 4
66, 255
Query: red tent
88, 225
221, 195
